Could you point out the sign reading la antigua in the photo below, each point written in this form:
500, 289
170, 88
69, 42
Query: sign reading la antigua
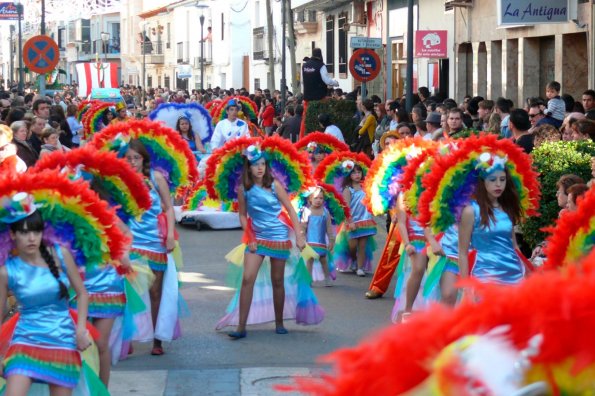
531, 12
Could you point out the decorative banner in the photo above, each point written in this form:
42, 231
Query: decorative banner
8, 12
533, 12
431, 44
184, 71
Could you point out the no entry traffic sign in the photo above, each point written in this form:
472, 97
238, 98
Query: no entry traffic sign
364, 64
41, 54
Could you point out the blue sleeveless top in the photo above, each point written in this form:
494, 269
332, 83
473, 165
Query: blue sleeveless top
496, 261
44, 317
264, 208
450, 241
145, 232
316, 230
358, 211
191, 143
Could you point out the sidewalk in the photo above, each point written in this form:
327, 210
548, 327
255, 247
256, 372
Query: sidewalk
257, 381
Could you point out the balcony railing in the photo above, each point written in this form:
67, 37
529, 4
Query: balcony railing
110, 47
207, 54
153, 51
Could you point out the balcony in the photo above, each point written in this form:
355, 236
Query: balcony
153, 52
305, 22
111, 48
207, 55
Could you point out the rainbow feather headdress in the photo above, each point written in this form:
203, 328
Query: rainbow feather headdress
325, 143
558, 305
75, 217
212, 106
415, 170
573, 236
453, 178
82, 109
127, 190
333, 202
383, 183
199, 197
248, 107
337, 166
169, 153
92, 119
198, 116
224, 167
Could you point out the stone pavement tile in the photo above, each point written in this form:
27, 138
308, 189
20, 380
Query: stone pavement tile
142, 383
260, 381
219, 382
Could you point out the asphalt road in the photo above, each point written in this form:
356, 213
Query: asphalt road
349, 317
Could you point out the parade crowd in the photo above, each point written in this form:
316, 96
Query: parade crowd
89, 255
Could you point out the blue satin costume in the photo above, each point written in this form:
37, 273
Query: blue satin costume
191, 143
44, 325
316, 231
106, 292
363, 220
497, 260
146, 242
450, 246
272, 235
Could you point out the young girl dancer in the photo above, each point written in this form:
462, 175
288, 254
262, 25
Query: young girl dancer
318, 227
46, 342
147, 243
261, 199
362, 225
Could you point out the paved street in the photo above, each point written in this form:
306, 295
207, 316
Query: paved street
206, 362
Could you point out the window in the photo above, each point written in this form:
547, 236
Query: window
150, 81
86, 30
256, 83
61, 37
258, 43
166, 82
342, 44
168, 42
222, 26
330, 44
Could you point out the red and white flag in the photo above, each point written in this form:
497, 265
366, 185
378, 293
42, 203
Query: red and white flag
96, 75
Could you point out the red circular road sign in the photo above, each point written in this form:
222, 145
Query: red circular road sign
364, 64
41, 54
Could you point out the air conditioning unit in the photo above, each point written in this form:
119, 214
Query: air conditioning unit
358, 15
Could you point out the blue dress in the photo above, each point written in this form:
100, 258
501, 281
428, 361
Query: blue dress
363, 221
497, 260
191, 142
450, 246
147, 243
106, 292
316, 231
264, 209
43, 345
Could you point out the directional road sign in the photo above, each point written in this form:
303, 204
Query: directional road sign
366, 42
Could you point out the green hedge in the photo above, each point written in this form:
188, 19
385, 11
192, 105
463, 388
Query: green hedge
341, 112
553, 160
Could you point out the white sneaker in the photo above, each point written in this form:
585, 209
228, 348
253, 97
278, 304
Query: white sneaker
360, 272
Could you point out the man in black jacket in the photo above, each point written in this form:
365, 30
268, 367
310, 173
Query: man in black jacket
316, 81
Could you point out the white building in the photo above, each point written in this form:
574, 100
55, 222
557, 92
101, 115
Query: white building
173, 37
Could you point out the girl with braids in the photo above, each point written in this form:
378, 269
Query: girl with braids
46, 342
147, 243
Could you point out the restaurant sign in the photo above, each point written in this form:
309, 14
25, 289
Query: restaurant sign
533, 12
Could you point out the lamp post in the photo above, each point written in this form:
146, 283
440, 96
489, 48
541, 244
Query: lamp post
19, 6
11, 57
105, 39
144, 85
202, 42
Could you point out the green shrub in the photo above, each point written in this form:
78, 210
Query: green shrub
553, 160
341, 112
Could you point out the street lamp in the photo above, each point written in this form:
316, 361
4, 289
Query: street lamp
144, 49
105, 39
11, 79
19, 6
202, 43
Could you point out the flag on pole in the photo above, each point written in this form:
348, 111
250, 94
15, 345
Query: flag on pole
96, 75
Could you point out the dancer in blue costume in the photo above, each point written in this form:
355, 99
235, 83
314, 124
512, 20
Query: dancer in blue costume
316, 221
261, 199
362, 225
46, 342
184, 127
148, 244
487, 226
